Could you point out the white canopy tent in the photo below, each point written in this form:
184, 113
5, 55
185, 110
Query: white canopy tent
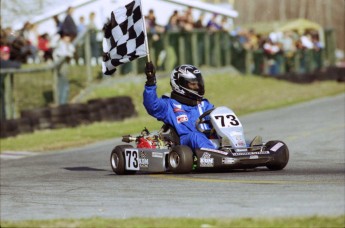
162, 8
207, 7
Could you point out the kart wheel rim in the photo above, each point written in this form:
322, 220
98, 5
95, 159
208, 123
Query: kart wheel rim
174, 160
115, 161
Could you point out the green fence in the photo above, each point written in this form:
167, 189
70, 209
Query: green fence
217, 49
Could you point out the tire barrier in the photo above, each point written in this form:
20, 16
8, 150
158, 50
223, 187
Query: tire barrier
69, 115
330, 73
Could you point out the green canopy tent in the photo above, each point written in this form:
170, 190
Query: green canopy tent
300, 25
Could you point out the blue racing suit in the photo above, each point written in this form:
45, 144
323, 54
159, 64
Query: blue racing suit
182, 117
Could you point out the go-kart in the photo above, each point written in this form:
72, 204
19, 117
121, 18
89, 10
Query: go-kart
162, 152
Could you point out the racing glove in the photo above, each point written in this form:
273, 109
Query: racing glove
150, 72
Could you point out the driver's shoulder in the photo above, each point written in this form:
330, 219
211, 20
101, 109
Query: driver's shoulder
205, 100
205, 103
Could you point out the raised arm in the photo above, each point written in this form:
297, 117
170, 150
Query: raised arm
155, 106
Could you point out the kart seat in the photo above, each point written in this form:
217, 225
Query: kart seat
169, 133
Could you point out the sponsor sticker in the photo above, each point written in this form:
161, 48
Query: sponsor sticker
182, 118
276, 147
157, 155
241, 143
178, 108
143, 162
228, 161
250, 153
142, 154
206, 160
215, 151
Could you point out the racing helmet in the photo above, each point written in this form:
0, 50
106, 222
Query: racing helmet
186, 80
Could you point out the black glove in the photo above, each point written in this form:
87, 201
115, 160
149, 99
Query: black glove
150, 72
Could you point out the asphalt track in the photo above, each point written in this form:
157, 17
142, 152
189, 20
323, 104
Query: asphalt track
79, 183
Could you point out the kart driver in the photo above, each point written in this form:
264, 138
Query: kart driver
183, 107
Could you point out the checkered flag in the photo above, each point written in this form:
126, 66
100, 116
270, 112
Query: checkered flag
124, 37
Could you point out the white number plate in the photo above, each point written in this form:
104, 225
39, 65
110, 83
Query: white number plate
132, 159
227, 120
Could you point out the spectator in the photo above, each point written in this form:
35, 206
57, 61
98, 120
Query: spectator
303, 44
306, 41
68, 27
212, 24
58, 24
64, 50
252, 40
19, 50
3, 38
151, 22
186, 21
17, 43
152, 27
289, 50
95, 45
199, 24
81, 26
242, 37
225, 25
5, 63
317, 46
45, 48
317, 51
55, 37
5, 60
173, 23
288, 44
25, 29
9, 35
31, 36
271, 50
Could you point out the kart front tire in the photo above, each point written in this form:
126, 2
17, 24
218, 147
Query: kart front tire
181, 159
281, 155
117, 160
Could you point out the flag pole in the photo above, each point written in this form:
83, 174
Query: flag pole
146, 41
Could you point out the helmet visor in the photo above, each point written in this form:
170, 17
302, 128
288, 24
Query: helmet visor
193, 84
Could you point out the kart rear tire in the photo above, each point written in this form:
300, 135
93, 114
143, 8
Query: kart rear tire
281, 155
117, 160
181, 159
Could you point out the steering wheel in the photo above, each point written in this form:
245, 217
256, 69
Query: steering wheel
202, 120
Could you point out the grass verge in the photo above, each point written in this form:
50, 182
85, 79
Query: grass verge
296, 222
32, 91
244, 94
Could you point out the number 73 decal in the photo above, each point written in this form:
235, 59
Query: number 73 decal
227, 120
132, 159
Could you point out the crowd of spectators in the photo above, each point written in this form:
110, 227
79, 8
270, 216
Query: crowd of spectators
27, 45
274, 46
184, 21
281, 48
